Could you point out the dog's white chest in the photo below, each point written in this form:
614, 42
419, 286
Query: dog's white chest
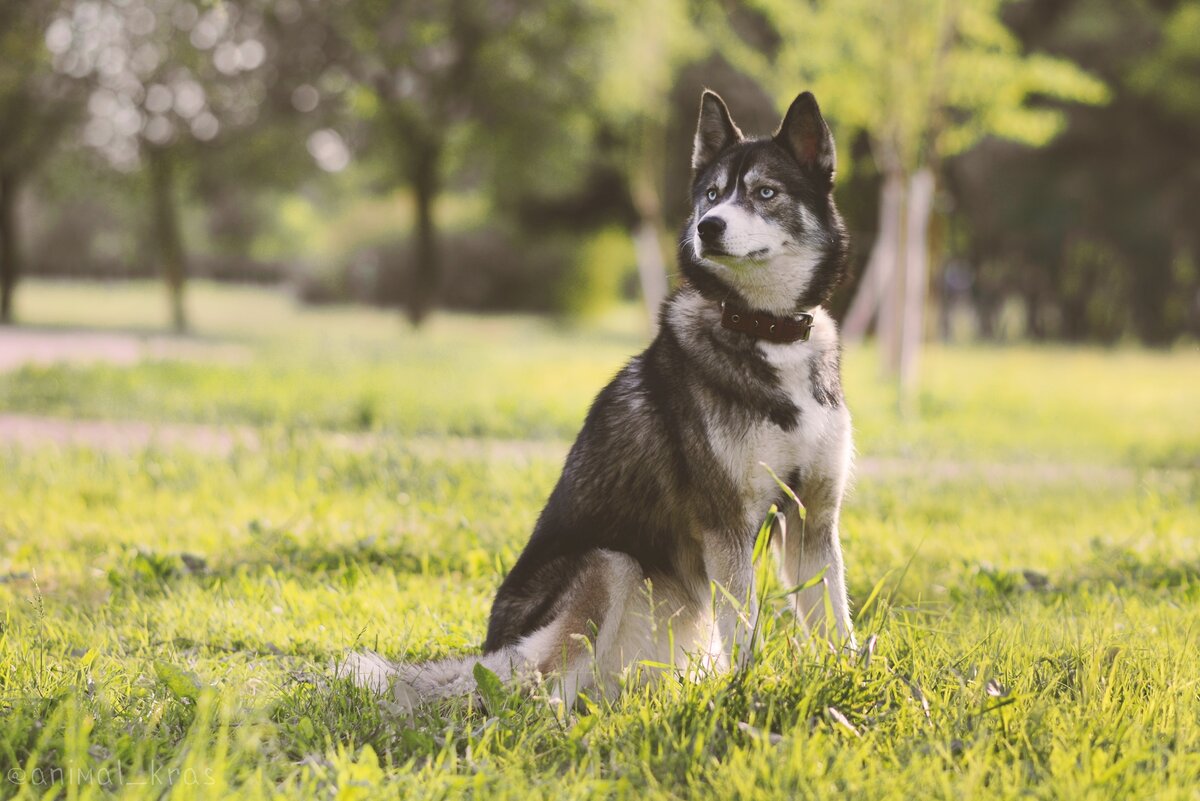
816, 444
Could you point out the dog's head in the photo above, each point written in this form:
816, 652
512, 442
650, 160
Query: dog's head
764, 226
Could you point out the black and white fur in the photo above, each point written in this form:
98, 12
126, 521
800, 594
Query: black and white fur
644, 549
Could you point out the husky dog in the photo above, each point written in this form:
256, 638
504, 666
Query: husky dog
644, 551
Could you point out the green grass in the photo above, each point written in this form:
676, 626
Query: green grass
521, 377
167, 617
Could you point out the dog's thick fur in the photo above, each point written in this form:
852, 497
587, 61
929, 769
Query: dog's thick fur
644, 549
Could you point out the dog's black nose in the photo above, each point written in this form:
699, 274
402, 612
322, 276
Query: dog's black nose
710, 229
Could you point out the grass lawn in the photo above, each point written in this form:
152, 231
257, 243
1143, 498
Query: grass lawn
167, 617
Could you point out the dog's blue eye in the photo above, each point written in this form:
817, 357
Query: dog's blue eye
712, 194
767, 192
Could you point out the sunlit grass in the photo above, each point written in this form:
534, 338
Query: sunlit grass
1043, 625
524, 377
167, 617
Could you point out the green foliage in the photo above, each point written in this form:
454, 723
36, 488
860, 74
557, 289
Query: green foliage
604, 265
1171, 72
1117, 187
514, 109
1094, 288
923, 78
303, 229
35, 103
647, 43
500, 88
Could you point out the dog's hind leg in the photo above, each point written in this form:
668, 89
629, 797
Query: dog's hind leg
646, 626
605, 627
609, 622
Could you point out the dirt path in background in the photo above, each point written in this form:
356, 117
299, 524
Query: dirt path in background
30, 431
126, 436
20, 346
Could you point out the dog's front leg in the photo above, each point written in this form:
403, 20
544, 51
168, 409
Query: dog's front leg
729, 563
810, 546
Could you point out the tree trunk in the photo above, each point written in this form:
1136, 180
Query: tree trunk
9, 255
986, 312
880, 266
168, 240
1033, 315
424, 172
650, 234
652, 268
888, 329
916, 280
985, 297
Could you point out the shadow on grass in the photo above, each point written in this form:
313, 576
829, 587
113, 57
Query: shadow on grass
147, 572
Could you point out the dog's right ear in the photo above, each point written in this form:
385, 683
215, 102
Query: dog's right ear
715, 131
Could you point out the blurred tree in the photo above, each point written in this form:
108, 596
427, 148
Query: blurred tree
171, 77
650, 42
36, 106
924, 79
1096, 232
507, 83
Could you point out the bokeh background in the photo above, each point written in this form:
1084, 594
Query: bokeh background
1027, 169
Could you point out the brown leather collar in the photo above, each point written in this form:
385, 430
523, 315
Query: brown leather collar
792, 328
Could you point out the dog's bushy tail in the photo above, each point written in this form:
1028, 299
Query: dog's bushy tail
410, 685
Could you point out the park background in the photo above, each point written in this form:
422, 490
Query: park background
303, 302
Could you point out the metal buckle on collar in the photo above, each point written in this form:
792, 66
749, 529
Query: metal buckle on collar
806, 319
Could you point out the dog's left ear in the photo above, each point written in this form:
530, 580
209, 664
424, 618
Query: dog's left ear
804, 134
